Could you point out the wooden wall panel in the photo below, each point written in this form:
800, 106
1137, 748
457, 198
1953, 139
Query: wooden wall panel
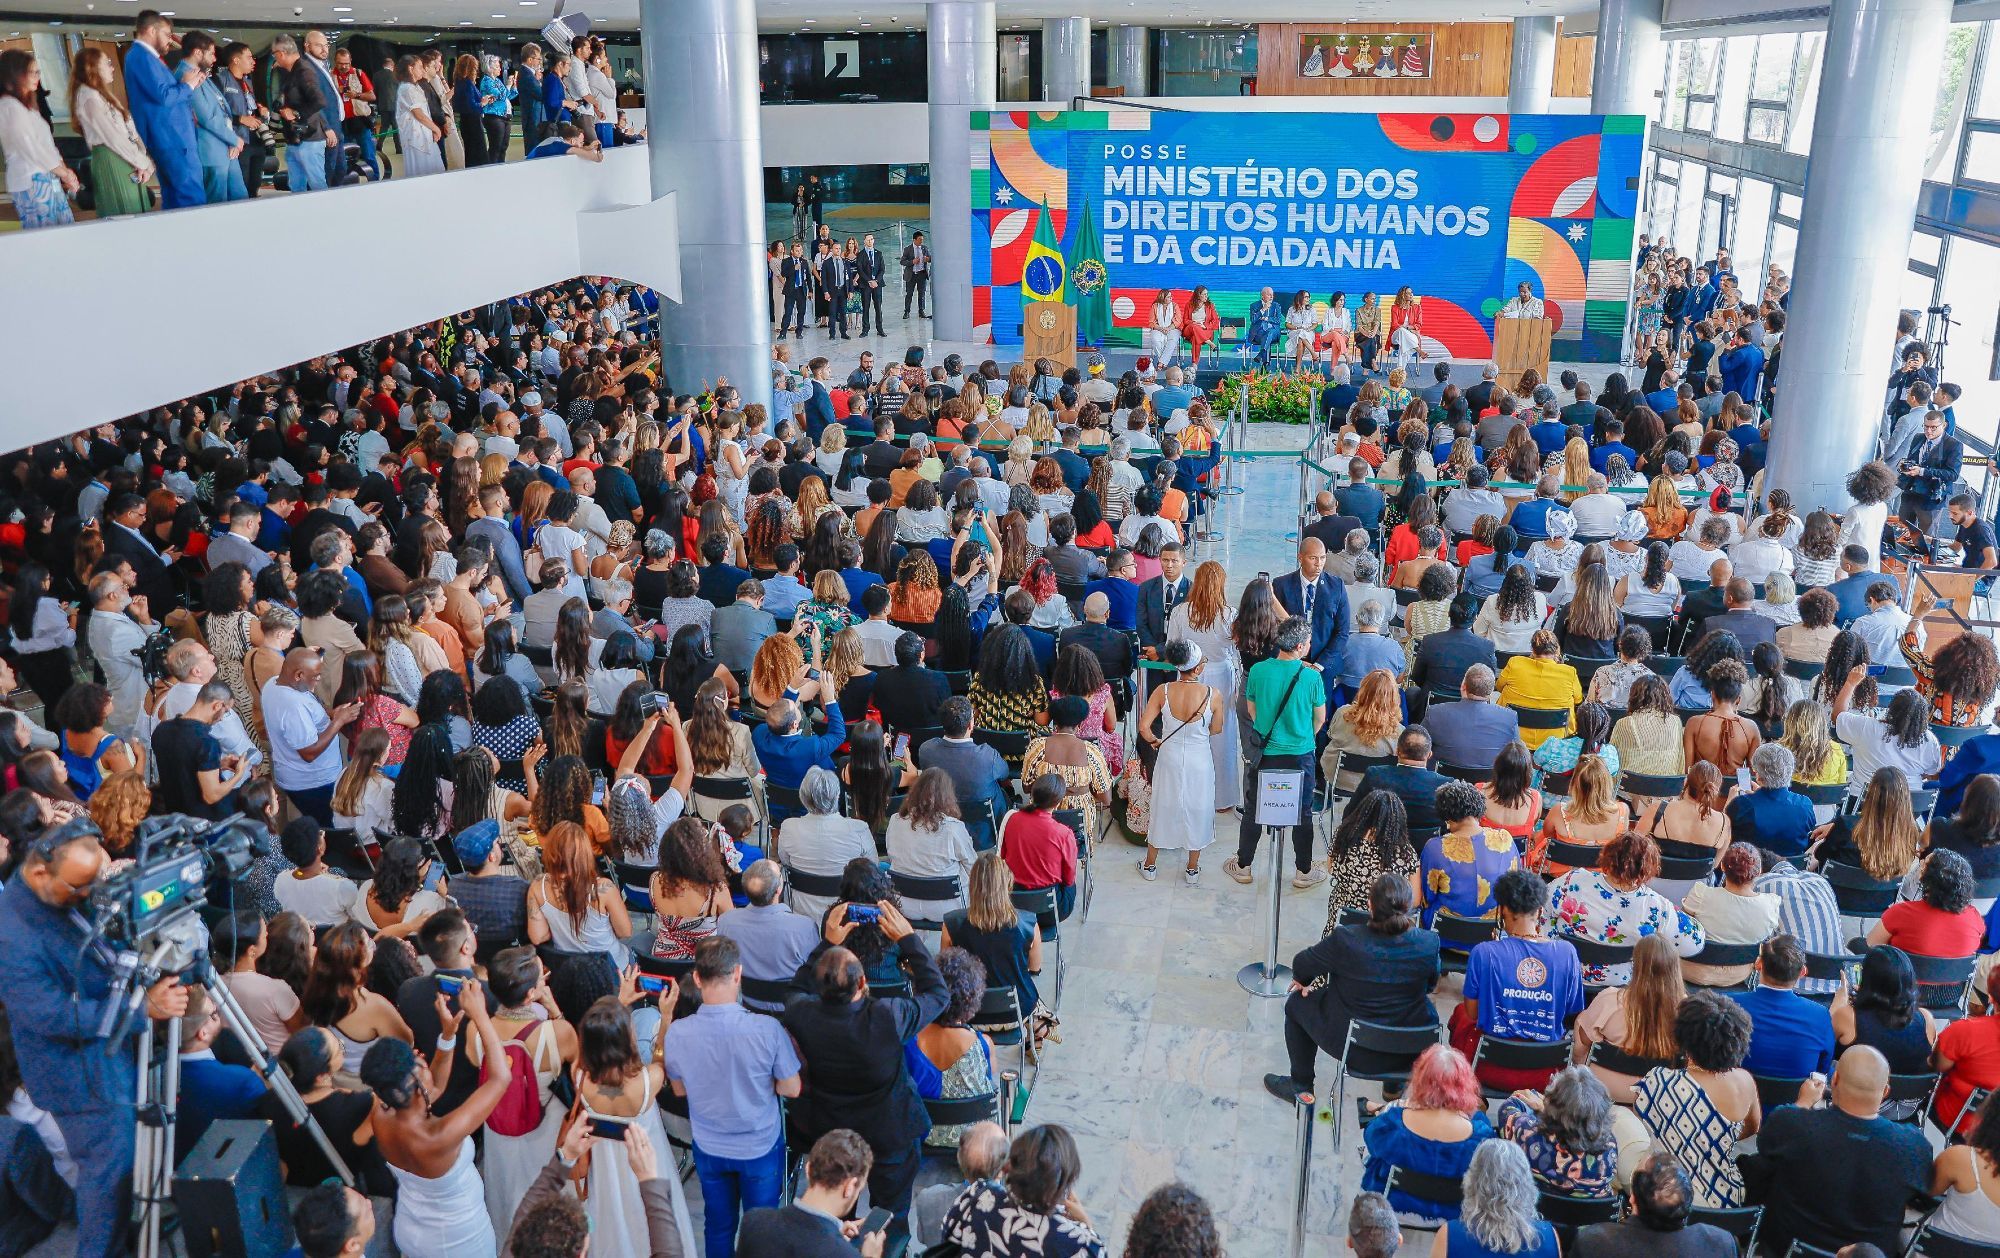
1471, 60
1573, 62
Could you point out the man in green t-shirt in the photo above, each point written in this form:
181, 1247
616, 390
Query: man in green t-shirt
1287, 703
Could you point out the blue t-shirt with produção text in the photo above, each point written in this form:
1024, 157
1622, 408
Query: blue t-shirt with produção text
1527, 989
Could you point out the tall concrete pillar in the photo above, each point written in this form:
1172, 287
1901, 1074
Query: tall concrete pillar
1065, 58
700, 60
1129, 62
1623, 76
964, 58
1533, 71
1854, 242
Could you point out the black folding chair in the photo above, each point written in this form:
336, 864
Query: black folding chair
910, 887
1575, 1212
1524, 1055
767, 995
1685, 868
820, 886
1724, 956
1776, 1090
1012, 744
1542, 718
1739, 1221
1041, 901
1931, 1243
1974, 1102
1002, 1021
1402, 1044
636, 883
1586, 667
1607, 1056
1353, 762
1830, 967
1439, 1190
1575, 855
1466, 772
960, 1111
1590, 952
1652, 785
1857, 894
1920, 1088
1804, 670
657, 968
708, 796
1942, 983
1458, 936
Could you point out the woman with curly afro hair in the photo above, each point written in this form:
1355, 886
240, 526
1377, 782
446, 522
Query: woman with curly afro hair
1871, 487
1699, 1112
1960, 679
1173, 1222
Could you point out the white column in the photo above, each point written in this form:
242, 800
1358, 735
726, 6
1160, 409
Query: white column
1533, 70
964, 59
1065, 58
1854, 242
701, 69
1628, 50
1129, 62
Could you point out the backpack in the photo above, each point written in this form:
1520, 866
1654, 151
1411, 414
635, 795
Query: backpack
520, 1109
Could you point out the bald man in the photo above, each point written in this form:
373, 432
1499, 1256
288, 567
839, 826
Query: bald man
305, 740
1831, 1177
1330, 524
1313, 593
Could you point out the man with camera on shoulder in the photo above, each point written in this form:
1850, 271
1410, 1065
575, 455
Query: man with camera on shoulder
56, 992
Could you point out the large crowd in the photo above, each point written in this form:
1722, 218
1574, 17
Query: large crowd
654, 781
184, 120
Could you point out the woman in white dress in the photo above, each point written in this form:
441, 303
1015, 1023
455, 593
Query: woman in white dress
440, 1202
516, 1151
1190, 715
1205, 618
615, 1083
419, 133
1301, 327
1861, 525
1163, 330
732, 470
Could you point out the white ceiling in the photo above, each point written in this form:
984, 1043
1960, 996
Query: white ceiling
790, 15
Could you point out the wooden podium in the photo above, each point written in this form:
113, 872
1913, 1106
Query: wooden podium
1048, 330
1519, 344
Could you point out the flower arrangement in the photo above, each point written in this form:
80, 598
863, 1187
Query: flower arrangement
1275, 398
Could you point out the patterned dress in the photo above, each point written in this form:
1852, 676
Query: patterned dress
1686, 1123
1583, 903
1460, 870
229, 643
985, 1220
1555, 1168
1355, 871
1080, 780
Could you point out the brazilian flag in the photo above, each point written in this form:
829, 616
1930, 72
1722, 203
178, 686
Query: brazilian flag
1089, 281
1043, 275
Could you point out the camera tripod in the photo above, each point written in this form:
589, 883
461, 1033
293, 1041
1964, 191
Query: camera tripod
180, 947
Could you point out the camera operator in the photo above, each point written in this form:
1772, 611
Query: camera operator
56, 992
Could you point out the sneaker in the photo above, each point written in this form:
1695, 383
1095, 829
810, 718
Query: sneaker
1236, 871
1310, 878
1193, 877
1148, 872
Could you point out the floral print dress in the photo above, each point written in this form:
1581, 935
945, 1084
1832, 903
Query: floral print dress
1584, 904
985, 1220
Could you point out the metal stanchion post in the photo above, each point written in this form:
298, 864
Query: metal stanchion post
1268, 978
1302, 1113
1008, 1080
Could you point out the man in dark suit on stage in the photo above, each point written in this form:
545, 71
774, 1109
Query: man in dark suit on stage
127, 515
836, 280
1929, 468
1322, 601
796, 274
916, 274
869, 276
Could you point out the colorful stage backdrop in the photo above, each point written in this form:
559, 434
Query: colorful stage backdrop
1102, 209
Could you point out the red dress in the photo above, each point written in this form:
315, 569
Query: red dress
1198, 327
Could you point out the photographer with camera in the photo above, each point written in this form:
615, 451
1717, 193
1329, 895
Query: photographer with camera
57, 992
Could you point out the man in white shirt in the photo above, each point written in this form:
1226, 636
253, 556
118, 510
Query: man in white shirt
501, 439
305, 739
1597, 512
992, 491
552, 423
310, 888
119, 627
589, 518
1463, 506
1883, 627
878, 636
239, 543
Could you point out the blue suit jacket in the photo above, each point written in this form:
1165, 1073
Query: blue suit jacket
1700, 303
1740, 368
64, 1066
215, 130
1331, 622
160, 101
819, 409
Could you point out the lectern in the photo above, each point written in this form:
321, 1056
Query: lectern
1519, 344
1048, 330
